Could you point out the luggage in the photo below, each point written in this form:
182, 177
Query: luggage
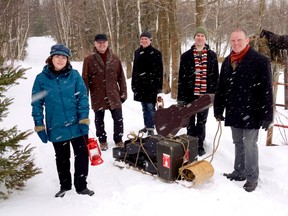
174, 153
143, 157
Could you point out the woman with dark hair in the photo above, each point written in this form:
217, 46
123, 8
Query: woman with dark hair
61, 91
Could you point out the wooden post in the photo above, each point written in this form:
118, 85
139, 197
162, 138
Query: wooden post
275, 77
286, 78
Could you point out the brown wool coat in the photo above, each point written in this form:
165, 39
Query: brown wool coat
106, 84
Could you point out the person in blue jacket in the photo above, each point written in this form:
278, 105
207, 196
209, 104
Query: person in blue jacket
61, 92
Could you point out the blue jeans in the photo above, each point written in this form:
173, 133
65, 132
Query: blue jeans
148, 114
246, 153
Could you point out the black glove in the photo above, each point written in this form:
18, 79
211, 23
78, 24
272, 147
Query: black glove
123, 99
219, 118
180, 103
266, 125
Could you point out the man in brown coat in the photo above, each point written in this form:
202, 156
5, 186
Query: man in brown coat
105, 80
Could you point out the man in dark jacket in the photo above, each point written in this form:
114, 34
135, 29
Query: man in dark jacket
105, 80
147, 78
198, 75
245, 91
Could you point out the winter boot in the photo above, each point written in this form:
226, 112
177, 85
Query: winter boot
103, 146
61, 193
250, 186
234, 177
86, 191
143, 130
150, 131
201, 151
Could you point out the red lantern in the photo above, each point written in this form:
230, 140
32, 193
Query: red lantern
94, 152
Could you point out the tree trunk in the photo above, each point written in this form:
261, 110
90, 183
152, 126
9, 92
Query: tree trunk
175, 48
164, 41
200, 12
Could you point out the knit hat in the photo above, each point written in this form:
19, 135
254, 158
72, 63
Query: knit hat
146, 34
101, 37
60, 49
201, 30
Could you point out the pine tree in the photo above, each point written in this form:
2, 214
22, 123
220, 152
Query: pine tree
16, 162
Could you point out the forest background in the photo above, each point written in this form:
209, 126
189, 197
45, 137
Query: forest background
171, 22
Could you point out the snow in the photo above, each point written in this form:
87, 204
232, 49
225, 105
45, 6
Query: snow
127, 192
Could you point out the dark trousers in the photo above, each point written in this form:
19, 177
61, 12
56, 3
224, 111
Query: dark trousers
197, 126
246, 153
148, 110
100, 126
81, 162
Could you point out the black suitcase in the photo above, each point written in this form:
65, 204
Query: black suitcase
149, 146
173, 153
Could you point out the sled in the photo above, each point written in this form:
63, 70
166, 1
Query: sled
166, 156
168, 121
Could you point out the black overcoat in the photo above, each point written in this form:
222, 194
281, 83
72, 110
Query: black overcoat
246, 92
147, 74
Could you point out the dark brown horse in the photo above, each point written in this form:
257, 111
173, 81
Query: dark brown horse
276, 43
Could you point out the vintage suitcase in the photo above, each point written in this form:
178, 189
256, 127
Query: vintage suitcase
172, 153
149, 145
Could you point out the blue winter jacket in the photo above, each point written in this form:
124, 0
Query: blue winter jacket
65, 100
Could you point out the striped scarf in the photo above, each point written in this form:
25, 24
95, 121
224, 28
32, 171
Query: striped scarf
200, 58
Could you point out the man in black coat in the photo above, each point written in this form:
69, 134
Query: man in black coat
147, 79
244, 91
198, 75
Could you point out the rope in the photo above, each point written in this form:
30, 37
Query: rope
216, 142
215, 145
133, 137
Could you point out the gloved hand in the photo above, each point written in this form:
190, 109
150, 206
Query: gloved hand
266, 125
219, 118
123, 99
43, 136
84, 126
40, 129
180, 103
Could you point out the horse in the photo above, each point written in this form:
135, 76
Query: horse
260, 44
276, 43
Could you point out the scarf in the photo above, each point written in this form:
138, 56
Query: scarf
104, 56
235, 58
200, 58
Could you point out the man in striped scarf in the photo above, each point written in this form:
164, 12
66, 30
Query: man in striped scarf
198, 75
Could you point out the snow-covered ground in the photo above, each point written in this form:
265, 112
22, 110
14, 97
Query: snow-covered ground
127, 192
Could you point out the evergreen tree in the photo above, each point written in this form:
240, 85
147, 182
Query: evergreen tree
16, 162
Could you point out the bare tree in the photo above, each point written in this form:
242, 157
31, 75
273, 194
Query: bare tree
200, 12
164, 44
175, 47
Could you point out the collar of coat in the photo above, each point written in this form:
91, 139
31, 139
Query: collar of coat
100, 60
206, 46
48, 70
